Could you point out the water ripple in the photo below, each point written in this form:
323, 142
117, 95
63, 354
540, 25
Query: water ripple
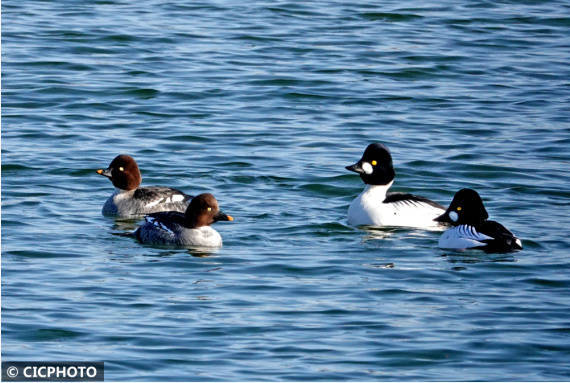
263, 104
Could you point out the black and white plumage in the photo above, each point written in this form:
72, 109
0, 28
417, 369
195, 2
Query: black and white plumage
188, 229
410, 199
471, 228
166, 220
377, 207
131, 200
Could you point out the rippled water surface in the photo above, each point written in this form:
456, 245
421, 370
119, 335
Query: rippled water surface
263, 104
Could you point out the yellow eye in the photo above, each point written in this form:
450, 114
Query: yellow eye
374, 163
209, 209
122, 169
459, 208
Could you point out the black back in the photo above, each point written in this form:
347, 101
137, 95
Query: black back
169, 217
503, 240
412, 198
166, 218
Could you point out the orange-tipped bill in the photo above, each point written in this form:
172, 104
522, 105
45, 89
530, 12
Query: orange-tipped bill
106, 172
222, 217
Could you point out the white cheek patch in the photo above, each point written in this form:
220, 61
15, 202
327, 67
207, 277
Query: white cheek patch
367, 168
453, 216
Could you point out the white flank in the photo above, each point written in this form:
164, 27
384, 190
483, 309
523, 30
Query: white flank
368, 209
462, 237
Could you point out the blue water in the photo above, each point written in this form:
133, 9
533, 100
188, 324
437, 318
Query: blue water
263, 104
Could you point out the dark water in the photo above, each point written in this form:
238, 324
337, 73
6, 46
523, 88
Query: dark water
263, 105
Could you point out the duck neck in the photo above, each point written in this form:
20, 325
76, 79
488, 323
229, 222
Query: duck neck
377, 192
195, 222
123, 192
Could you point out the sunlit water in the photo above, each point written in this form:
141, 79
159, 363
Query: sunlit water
263, 104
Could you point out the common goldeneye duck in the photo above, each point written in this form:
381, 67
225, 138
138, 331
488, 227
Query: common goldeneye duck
131, 200
376, 207
191, 228
471, 228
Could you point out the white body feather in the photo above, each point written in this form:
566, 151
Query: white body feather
123, 203
166, 200
369, 209
462, 237
204, 236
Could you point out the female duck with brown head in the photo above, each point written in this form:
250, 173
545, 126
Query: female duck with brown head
131, 200
191, 228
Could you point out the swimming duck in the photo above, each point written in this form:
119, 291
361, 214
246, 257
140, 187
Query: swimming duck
191, 228
131, 200
375, 206
471, 228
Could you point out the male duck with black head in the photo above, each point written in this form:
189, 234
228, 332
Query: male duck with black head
471, 228
131, 200
375, 206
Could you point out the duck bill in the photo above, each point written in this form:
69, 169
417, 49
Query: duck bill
223, 217
444, 218
106, 172
357, 168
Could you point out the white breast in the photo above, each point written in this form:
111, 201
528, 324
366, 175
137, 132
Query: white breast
368, 209
462, 237
122, 195
202, 236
